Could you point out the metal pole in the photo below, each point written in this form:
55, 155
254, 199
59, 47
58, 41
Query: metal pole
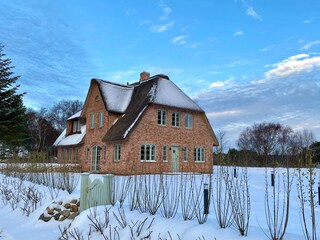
319, 192
206, 199
235, 172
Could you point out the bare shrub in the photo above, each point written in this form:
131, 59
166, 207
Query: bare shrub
121, 185
239, 195
171, 196
187, 206
277, 202
306, 179
31, 198
220, 198
133, 193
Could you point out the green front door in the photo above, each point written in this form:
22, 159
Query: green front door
175, 159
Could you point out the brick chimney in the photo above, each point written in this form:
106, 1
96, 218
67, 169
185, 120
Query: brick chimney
144, 75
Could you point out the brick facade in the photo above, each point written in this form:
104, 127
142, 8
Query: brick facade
146, 131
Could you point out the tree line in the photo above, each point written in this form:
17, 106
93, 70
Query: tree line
35, 130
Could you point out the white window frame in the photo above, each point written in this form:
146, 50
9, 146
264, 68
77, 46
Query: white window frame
95, 158
75, 153
76, 126
199, 154
117, 152
101, 118
185, 154
188, 121
175, 119
165, 153
91, 120
162, 117
147, 153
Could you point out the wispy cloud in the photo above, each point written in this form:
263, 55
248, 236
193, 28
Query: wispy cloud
294, 65
238, 33
180, 40
309, 20
250, 10
161, 28
288, 93
252, 13
166, 10
310, 44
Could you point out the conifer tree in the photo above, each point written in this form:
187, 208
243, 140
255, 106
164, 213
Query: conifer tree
12, 112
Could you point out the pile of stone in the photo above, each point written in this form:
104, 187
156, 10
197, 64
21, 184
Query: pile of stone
61, 210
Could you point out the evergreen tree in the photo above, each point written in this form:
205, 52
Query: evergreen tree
12, 112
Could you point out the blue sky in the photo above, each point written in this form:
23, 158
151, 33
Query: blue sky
242, 61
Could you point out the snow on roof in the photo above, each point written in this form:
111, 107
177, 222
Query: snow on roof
72, 139
167, 93
117, 97
76, 115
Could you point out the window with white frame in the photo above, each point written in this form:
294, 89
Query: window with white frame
92, 120
162, 117
75, 153
104, 152
185, 154
148, 153
117, 152
165, 153
101, 119
76, 126
199, 154
95, 158
69, 154
188, 121
176, 119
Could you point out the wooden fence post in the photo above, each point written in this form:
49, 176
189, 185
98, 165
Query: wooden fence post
84, 191
108, 184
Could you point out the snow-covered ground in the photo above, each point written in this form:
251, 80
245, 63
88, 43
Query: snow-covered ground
15, 225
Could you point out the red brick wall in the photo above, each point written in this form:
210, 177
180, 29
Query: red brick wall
146, 131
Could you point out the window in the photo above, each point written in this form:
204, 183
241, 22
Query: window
101, 119
199, 154
117, 152
95, 160
147, 153
92, 120
64, 150
69, 154
104, 152
165, 153
87, 153
75, 153
176, 119
162, 115
76, 128
188, 121
185, 154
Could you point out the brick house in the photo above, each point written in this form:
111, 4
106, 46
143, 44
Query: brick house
150, 126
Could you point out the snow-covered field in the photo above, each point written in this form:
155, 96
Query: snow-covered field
15, 225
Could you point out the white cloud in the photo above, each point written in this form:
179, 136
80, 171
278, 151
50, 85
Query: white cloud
166, 11
308, 21
222, 114
294, 65
252, 13
180, 39
162, 28
238, 33
310, 44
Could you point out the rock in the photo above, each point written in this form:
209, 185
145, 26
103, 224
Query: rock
57, 209
74, 201
67, 205
78, 203
74, 208
57, 216
65, 213
50, 211
62, 218
73, 215
45, 218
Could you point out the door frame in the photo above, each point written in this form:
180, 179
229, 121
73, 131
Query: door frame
175, 157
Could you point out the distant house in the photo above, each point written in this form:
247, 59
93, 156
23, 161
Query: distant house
150, 126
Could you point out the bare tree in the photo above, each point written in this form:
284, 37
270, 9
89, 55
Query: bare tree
62, 110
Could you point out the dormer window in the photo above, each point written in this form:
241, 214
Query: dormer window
76, 127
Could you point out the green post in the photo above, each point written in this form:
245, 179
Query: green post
108, 185
84, 191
